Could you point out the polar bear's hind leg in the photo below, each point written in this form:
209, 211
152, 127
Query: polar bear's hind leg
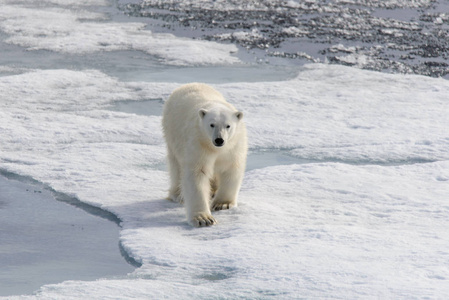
174, 193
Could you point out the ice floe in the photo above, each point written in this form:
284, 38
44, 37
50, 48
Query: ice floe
368, 219
74, 30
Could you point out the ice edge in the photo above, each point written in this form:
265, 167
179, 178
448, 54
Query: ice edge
71, 200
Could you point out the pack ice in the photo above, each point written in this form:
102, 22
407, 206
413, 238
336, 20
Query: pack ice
366, 218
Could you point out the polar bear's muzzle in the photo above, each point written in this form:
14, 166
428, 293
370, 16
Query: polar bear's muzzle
218, 142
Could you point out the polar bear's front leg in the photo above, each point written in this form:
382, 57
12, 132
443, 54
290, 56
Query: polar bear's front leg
228, 189
196, 193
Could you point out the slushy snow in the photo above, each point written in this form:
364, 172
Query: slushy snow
368, 219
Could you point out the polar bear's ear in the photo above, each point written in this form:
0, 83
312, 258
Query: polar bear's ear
202, 112
239, 115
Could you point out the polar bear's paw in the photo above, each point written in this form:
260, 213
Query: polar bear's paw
175, 198
203, 220
221, 205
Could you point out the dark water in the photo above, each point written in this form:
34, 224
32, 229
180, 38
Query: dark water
43, 240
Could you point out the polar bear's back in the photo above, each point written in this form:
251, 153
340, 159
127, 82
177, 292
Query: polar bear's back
184, 103
189, 98
196, 93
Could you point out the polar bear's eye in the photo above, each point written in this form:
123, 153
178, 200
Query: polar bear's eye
228, 126
212, 125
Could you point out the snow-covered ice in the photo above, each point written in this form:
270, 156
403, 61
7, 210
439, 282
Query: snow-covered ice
344, 226
366, 217
78, 31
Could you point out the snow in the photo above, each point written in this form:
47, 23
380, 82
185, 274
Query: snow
67, 3
325, 229
240, 35
294, 31
77, 31
390, 4
366, 217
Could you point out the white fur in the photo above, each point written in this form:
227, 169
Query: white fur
204, 161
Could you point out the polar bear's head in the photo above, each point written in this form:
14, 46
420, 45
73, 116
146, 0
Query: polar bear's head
220, 124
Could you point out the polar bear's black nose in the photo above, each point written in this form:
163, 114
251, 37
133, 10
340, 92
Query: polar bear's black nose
219, 142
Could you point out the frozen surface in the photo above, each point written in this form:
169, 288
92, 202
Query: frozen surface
313, 230
351, 202
392, 36
78, 31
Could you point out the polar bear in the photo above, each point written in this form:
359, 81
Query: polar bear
207, 148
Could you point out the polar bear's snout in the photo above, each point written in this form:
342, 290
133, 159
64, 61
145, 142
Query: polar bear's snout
218, 142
